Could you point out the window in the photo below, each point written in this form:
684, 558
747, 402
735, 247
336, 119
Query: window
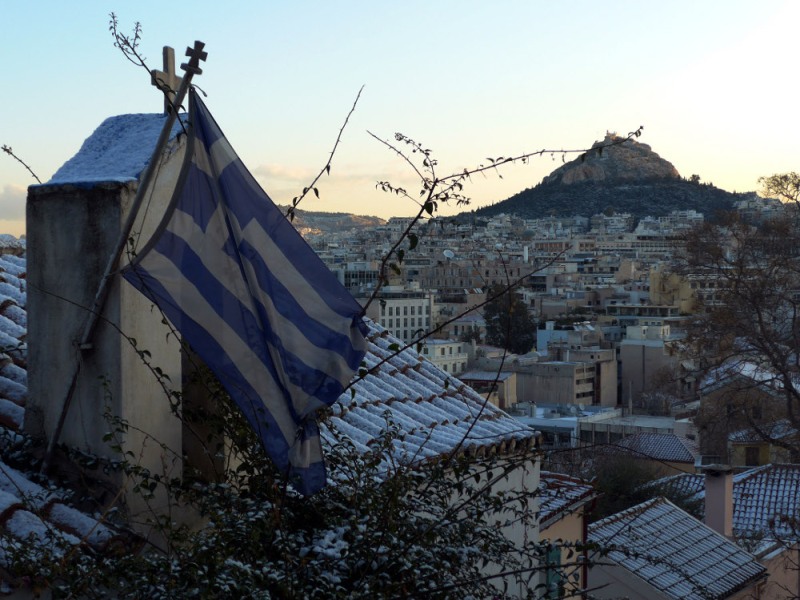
413, 309
553, 580
751, 456
405, 311
391, 310
442, 351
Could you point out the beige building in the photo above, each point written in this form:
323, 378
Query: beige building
406, 312
647, 360
449, 355
560, 382
604, 362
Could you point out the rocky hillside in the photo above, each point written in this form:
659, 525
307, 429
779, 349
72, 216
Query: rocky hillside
320, 223
619, 175
614, 159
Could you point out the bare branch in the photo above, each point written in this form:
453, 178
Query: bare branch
312, 187
10, 152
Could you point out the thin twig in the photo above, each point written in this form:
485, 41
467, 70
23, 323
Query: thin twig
10, 152
312, 187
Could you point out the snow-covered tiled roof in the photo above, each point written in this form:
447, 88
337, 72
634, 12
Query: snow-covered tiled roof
682, 485
26, 507
752, 373
673, 552
561, 494
436, 412
778, 430
766, 500
666, 447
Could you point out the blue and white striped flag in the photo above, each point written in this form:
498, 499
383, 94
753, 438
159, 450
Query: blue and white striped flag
253, 300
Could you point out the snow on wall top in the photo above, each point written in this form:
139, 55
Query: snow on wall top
117, 151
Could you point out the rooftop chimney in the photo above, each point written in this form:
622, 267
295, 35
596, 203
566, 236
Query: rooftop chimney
719, 498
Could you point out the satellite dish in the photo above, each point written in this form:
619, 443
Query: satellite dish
448, 254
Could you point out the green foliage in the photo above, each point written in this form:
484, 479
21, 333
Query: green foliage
509, 324
621, 482
640, 198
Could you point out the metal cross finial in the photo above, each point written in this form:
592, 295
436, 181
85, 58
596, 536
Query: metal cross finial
167, 80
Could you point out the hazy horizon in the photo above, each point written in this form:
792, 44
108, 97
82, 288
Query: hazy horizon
467, 80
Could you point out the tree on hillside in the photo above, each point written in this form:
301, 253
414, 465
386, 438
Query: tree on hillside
784, 186
509, 323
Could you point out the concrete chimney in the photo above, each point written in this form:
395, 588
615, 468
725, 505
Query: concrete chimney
719, 498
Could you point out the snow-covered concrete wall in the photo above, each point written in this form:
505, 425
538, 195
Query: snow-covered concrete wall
73, 224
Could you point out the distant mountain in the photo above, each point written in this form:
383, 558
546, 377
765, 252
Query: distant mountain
319, 223
619, 175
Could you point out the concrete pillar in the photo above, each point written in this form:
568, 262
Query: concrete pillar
72, 229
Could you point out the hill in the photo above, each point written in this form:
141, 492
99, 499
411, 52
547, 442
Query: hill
320, 223
619, 175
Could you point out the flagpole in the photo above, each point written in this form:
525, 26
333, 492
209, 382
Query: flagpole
195, 54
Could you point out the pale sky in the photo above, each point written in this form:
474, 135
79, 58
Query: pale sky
712, 82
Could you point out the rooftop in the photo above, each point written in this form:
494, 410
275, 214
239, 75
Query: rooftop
674, 553
765, 502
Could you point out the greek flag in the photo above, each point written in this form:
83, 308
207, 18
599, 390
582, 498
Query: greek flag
253, 300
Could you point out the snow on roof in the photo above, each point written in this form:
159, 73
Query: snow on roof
117, 151
26, 507
765, 501
436, 412
560, 495
682, 485
674, 553
777, 430
666, 447
753, 373
8, 241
